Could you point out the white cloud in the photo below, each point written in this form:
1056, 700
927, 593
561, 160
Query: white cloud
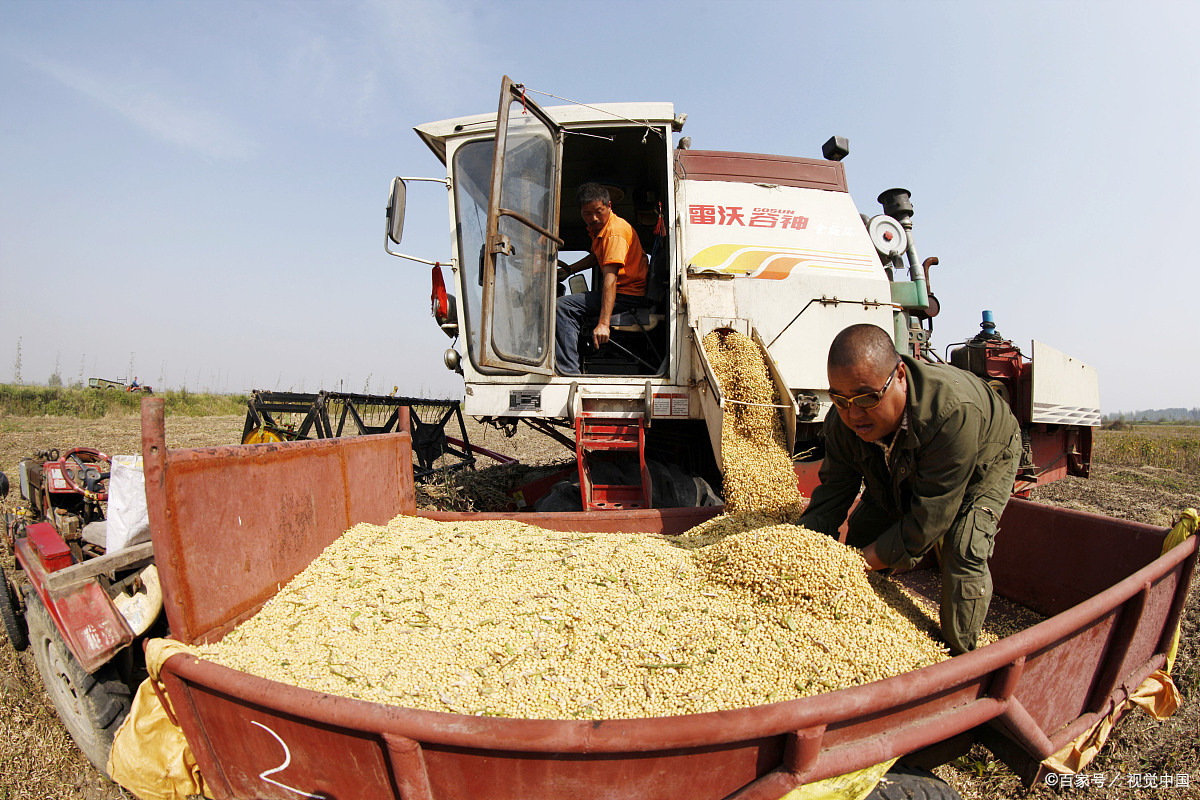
433, 48
168, 119
330, 82
352, 67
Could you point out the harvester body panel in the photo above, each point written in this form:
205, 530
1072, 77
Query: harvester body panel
1065, 390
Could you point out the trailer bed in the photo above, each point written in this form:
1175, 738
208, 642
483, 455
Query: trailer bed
1111, 598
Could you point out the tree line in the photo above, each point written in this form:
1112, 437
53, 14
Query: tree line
1156, 415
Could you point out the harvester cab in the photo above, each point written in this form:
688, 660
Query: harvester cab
770, 246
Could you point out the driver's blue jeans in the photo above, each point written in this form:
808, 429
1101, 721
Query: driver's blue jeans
575, 309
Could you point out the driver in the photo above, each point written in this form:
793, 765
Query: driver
623, 264
938, 451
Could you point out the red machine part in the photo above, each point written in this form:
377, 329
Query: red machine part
807, 477
81, 610
1051, 452
52, 552
61, 475
439, 299
607, 435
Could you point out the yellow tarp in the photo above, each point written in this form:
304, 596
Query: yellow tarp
1157, 695
149, 756
851, 786
1187, 526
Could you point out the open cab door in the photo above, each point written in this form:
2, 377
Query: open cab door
521, 251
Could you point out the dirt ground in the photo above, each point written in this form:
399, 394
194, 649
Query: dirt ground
39, 760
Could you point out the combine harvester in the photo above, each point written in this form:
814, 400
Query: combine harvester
769, 246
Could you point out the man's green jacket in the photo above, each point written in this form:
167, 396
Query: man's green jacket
958, 427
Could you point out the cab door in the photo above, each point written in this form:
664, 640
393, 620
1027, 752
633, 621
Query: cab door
521, 249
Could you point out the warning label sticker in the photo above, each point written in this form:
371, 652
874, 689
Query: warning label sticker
670, 405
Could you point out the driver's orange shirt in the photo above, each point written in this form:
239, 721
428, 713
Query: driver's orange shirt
617, 243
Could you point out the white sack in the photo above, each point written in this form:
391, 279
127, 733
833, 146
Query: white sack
128, 523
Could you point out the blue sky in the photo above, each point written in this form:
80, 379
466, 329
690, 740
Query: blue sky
198, 188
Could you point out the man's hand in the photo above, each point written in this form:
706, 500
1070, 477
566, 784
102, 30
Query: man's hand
872, 558
601, 334
608, 296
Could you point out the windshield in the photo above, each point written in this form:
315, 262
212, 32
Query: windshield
472, 177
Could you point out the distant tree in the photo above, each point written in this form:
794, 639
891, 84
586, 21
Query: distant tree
55, 379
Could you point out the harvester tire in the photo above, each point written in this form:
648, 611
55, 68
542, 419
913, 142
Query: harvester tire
909, 783
91, 707
10, 612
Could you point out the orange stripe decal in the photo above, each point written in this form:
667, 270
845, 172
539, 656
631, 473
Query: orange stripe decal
774, 264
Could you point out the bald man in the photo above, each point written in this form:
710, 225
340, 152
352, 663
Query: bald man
938, 451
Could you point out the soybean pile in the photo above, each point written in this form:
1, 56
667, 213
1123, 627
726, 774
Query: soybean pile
506, 619
757, 475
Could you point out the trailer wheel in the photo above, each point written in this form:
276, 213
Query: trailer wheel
908, 783
91, 707
10, 612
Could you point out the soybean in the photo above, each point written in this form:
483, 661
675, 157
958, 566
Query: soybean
507, 619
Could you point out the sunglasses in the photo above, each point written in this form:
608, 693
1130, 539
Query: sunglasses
864, 401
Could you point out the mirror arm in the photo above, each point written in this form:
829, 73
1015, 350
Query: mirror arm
447, 263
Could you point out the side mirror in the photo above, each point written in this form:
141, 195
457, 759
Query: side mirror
395, 217
395, 211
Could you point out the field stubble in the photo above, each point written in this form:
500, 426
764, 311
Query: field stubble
1145, 474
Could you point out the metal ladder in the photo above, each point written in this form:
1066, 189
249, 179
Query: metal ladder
600, 434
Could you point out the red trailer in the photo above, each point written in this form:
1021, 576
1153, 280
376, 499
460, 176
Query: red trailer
1112, 609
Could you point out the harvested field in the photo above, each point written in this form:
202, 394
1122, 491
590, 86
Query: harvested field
38, 759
